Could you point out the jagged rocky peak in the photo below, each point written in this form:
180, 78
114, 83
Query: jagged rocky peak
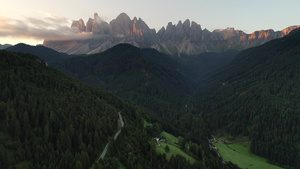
97, 19
78, 26
123, 17
122, 25
89, 25
229, 29
137, 27
179, 24
288, 30
186, 26
187, 23
179, 27
140, 28
170, 26
263, 34
195, 26
196, 31
229, 33
182, 38
161, 31
140, 24
99, 26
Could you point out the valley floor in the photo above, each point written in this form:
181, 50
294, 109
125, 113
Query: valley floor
239, 153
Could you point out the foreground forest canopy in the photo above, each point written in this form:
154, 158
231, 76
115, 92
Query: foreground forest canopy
49, 120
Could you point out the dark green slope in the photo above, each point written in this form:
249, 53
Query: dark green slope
205, 63
48, 120
258, 95
47, 54
144, 76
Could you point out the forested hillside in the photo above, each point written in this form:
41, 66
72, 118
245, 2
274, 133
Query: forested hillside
144, 76
258, 95
204, 63
47, 54
49, 120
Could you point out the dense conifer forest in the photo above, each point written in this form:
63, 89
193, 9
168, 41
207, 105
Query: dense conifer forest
143, 76
258, 95
49, 120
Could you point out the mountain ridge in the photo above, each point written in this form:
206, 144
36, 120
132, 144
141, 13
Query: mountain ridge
145, 76
47, 54
185, 38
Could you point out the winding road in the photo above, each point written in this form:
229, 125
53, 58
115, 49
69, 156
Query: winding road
115, 137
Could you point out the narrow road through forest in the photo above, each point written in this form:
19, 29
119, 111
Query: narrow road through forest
115, 137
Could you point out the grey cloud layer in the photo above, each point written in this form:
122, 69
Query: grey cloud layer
47, 28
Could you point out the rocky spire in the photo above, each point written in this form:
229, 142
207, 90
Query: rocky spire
78, 26
89, 25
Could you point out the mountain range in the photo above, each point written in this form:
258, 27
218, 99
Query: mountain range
187, 38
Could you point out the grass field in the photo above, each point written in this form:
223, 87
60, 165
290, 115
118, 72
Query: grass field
147, 124
239, 154
172, 142
173, 151
170, 138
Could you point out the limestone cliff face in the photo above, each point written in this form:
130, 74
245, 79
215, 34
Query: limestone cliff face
78, 26
89, 25
287, 30
176, 39
99, 26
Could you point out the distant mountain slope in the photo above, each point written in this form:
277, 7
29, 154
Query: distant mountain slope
49, 55
205, 63
258, 95
144, 76
5, 46
185, 38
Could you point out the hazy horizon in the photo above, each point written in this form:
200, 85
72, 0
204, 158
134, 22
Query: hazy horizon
33, 21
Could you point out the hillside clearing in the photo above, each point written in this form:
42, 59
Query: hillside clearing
147, 124
170, 138
239, 154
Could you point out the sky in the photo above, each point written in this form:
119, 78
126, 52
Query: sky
32, 21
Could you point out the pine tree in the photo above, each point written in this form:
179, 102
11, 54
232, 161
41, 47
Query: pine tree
167, 149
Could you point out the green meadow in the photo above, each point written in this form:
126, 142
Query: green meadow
172, 142
147, 124
170, 138
239, 154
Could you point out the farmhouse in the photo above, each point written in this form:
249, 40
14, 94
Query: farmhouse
160, 139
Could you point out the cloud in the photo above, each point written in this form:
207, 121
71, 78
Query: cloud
47, 27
